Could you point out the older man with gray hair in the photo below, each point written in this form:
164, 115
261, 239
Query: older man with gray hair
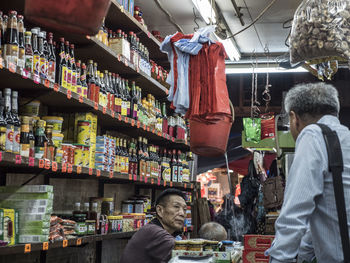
213, 231
309, 201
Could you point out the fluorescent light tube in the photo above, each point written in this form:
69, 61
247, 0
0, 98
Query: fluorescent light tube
264, 70
206, 10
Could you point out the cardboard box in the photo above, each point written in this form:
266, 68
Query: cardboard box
121, 47
27, 189
9, 224
131, 7
251, 256
257, 242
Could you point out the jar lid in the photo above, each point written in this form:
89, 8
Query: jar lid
52, 118
127, 202
227, 242
107, 200
79, 215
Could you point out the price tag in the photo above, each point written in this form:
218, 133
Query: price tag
36, 79
126, 119
88, 37
167, 92
90, 171
1, 63
152, 181
132, 122
70, 168
164, 183
148, 128
12, 67
96, 106
45, 245
25, 73
81, 99
111, 174
18, 159
31, 162
78, 241
159, 134
41, 163
47, 83
168, 136
54, 166
119, 57
47, 164
140, 178
79, 169
137, 69
135, 177
98, 173
64, 167
171, 184
158, 183
173, 139
191, 186
145, 179
56, 87
122, 9
153, 131
113, 114
65, 243
185, 185
27, 248
148, 34
119, 117
130, 177
138, 124
69, 94
104, 110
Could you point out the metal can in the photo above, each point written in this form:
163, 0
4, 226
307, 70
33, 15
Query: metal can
78, 155
84, 132
86, 156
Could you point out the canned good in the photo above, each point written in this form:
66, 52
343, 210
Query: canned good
57, 139
55, 121
86, 156
78, 155
84, 132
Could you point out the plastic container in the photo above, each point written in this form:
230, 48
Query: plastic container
75, 16
57, 139
127, 206
30, 109
84, 132
107, 206
55, 121
138, 206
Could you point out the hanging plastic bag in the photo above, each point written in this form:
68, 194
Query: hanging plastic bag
267, 126
252, 129
320, 30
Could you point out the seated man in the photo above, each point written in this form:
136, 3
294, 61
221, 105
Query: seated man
154, 242
213, 231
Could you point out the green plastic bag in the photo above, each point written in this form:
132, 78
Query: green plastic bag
252, 129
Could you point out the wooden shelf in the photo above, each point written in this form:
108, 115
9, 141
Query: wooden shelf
66, 101
74, 242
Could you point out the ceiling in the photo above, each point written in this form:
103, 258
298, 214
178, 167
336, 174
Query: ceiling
268, 31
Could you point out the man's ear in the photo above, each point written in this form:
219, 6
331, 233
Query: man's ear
160, 211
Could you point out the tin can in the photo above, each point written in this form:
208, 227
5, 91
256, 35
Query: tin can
78, 155
84, 132
65, 152
86, 156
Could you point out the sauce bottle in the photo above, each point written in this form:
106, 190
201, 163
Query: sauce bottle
69, 66
21, 51
79, 88
49, 146
25, 142
11, 41
84, 85
174, 168
61, 69
2, 124
43, 58
28, 52
31, 138
16, 124
51, 74
9, 121
36, 54
40, 139
97, 84
91, 80
74, 69
77, 210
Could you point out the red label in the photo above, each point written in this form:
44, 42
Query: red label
172, 139
164, 183
36, 79
135, 177
81, 99
152, 181
70, 168
113, 114
145, 179
111, 174
144, 127
56, 87
65, 243
10, 136
167, 92
138, 124
119, 117
69, 94
171, 184
79, 169
96, 106
130, 177
148, 34
18, 159
185, 186
90, 171
153, 131
41, 163
47, 83
140, 178
132, 122
31, 162
104, 110
98, 173
47, 164
12, 67
147, 128
0, 156
158, 183
64, 167
27, 248
191, 186
54, 166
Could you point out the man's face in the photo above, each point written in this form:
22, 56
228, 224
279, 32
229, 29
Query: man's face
172, 213
294, 125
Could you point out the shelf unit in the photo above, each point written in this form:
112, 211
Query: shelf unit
63, 100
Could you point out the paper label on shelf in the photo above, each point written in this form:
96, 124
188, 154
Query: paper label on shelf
25, 73
78, 169
78, 242
122, 9
64, 167
132, 122
56, 87
36, 78
47, 164
113, 114
148, 128
138, 124
152, 181
130, 177
27, 248
145, 179
98, 173
119, 117
18, 159
185, 185
45, 246
41, 163
90, 171
31, 162
172, 139
191, 186
148, 34
111, 174
69, 94
96, 106
1, 63
158, 182
171, 184
12, 67
65, 243
81, 99
104, 110
70, 168
54, 166
167, 92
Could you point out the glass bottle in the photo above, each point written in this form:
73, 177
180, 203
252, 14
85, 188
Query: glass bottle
118, 96
1, 36
16, 124
51, 74
91, 80
36, 54
69, 66
43, 58
28, 54
79, 88
11, 41
74, 69
117, 156
25, 142
97, 83
31, 138
84, 85
9, 121
21, 51
49, 147
61, 69
180, 165
174, 167
46, 52
126, 158
40, 139
112, 91
2, 124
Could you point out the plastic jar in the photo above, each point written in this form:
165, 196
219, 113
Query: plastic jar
84, 132
107, 207
57, 139
31, 109
138, 206
196, 245
55, 121
127, 206
80, 226
227, 245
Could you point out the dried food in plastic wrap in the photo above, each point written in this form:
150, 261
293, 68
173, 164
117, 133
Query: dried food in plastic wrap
321, 30
267, 126
252, 129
